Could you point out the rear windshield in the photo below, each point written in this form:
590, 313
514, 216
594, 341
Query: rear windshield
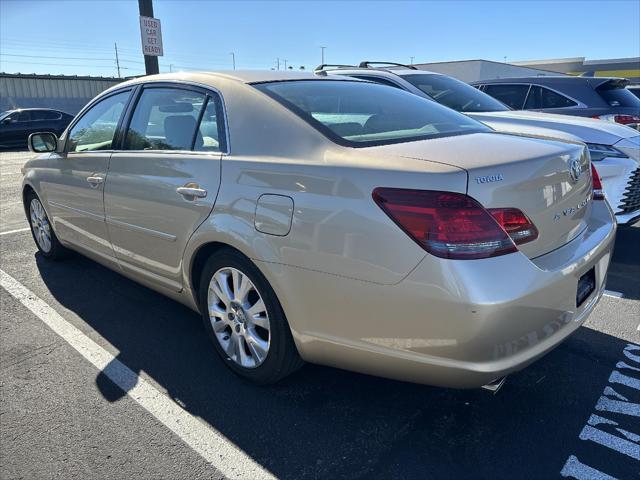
618, 96
455, 94
361, 114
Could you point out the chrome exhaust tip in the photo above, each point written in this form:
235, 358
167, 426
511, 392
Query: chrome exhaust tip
495, 385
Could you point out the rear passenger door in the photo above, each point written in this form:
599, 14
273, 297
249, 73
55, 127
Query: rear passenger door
163, 182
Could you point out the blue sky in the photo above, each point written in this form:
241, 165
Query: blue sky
77, 37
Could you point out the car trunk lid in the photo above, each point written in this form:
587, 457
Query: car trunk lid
532, 175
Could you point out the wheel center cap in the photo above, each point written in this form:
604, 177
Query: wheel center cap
237, 313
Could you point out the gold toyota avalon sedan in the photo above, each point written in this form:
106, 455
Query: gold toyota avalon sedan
329, 220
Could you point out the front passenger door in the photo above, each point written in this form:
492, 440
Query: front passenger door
74, 185
164, 183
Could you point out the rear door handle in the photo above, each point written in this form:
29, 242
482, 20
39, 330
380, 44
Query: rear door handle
192, 192
95, 180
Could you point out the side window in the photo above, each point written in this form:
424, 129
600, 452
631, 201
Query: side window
533, 100
50, 115
24, 116
551, 99
511, 95
211, 134
166, 119
38, 115
97, 127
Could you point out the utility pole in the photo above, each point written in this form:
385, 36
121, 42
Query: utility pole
322, 50
117, 60
171, 67
278, 63
412, 60
233, 59
285, 64
150, 62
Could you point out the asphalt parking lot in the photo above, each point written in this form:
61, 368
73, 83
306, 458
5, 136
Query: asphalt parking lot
575, 413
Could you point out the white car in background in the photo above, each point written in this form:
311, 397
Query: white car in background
614, 148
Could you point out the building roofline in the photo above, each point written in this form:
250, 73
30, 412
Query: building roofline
492, 61
522, 63
582, 60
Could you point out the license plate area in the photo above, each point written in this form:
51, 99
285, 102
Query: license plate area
586, 286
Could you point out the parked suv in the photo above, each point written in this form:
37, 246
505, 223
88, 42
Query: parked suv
601, 97
17, 125
614, 148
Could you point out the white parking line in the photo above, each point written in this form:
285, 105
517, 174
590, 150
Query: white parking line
221, 453
15, 231
613, 293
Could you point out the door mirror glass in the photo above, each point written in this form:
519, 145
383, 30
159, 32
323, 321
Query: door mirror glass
43, 142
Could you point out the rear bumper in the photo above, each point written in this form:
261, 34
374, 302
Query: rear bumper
449, 323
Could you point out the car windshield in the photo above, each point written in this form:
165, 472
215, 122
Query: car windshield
362, 114
5, 114
455, 93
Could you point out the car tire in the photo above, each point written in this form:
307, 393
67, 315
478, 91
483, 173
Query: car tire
43, 235
234, 318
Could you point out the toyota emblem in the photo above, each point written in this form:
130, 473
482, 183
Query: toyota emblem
575, 169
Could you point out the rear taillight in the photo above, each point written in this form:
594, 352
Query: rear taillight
516, 224
445, 224
623, 119
598, 192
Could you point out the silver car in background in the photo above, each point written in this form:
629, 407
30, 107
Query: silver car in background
330, 220
614, 148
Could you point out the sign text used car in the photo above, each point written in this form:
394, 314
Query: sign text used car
151, 34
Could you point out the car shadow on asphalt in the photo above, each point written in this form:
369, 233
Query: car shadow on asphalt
327, 423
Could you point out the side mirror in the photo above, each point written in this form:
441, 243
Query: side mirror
8, 121
43, 142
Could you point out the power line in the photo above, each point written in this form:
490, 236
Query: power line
68, 65
49, 56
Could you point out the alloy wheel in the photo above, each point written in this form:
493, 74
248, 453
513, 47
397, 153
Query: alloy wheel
40, 225
238, 317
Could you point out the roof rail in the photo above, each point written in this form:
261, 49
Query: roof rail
368, 64
333, 65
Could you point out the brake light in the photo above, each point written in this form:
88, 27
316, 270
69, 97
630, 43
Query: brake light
623, 119
445, 224
516, 224
598, 191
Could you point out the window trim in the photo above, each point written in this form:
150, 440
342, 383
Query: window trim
86, 109
209, 93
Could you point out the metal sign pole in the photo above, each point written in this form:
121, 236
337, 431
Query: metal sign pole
150, 62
